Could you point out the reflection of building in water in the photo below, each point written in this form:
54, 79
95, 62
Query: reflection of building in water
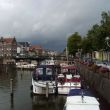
5, 78
7, 66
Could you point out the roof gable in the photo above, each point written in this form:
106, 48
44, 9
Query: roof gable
8, 40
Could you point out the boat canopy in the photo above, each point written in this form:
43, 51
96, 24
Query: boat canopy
69, 67
79, 92
46, 72
79, 99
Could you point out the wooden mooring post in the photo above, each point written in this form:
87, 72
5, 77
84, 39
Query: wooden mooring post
11, 87
47, 90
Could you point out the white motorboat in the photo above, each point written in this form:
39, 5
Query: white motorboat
26, 66
68, 79
48, 62
44, 79
81, 99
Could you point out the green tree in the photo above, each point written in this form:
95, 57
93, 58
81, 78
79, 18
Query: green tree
94, 37
105, 27
98, 33
74, 43
86, 45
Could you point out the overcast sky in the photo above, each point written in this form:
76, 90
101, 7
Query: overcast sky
49, 22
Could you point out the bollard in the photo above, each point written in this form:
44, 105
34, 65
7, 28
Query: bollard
11, 87
47, 90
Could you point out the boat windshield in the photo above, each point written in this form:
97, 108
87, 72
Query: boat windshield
39, 71
48, 71
69, 71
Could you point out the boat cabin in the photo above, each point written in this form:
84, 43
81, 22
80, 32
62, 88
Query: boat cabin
68, 79
69, 69
69, 74
46, 72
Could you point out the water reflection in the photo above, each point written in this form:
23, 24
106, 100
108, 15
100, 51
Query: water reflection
22, 100
51, 103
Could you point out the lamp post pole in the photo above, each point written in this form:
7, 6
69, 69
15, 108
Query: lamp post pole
107, 39
67, 55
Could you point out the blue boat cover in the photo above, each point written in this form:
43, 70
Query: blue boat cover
80, 92
44, 76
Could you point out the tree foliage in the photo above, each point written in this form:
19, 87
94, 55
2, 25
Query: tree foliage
95, 38
86, 45
74, 43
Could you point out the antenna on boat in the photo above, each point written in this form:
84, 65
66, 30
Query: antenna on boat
82, 96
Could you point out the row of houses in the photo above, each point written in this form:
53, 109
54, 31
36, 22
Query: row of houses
9, 47
98, 55
101, 55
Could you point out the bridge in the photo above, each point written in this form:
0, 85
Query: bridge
31, 58
41, 58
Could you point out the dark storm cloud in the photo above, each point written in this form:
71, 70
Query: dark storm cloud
49, 22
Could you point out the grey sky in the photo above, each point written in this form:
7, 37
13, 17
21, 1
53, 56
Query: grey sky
49, 22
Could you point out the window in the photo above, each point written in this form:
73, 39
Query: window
48, 71
39, 71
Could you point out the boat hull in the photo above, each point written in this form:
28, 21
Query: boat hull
43, 88
65, 88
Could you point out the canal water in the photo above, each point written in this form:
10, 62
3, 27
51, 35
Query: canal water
23, 100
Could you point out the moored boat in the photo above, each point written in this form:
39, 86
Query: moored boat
81, 99
44, 79
68, 79
25, 66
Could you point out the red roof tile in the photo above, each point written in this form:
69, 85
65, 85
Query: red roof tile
8, 40
37, 47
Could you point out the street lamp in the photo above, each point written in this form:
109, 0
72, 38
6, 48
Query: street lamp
67, 54
107, 39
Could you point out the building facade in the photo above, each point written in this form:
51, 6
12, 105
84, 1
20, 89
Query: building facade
23, 48
8, 47
36, 49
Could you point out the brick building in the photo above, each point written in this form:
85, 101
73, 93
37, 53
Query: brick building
8, 47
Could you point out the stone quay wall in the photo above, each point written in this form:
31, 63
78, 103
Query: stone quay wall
99, 81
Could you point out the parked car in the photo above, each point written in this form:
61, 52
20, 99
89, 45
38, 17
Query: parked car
99, 63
